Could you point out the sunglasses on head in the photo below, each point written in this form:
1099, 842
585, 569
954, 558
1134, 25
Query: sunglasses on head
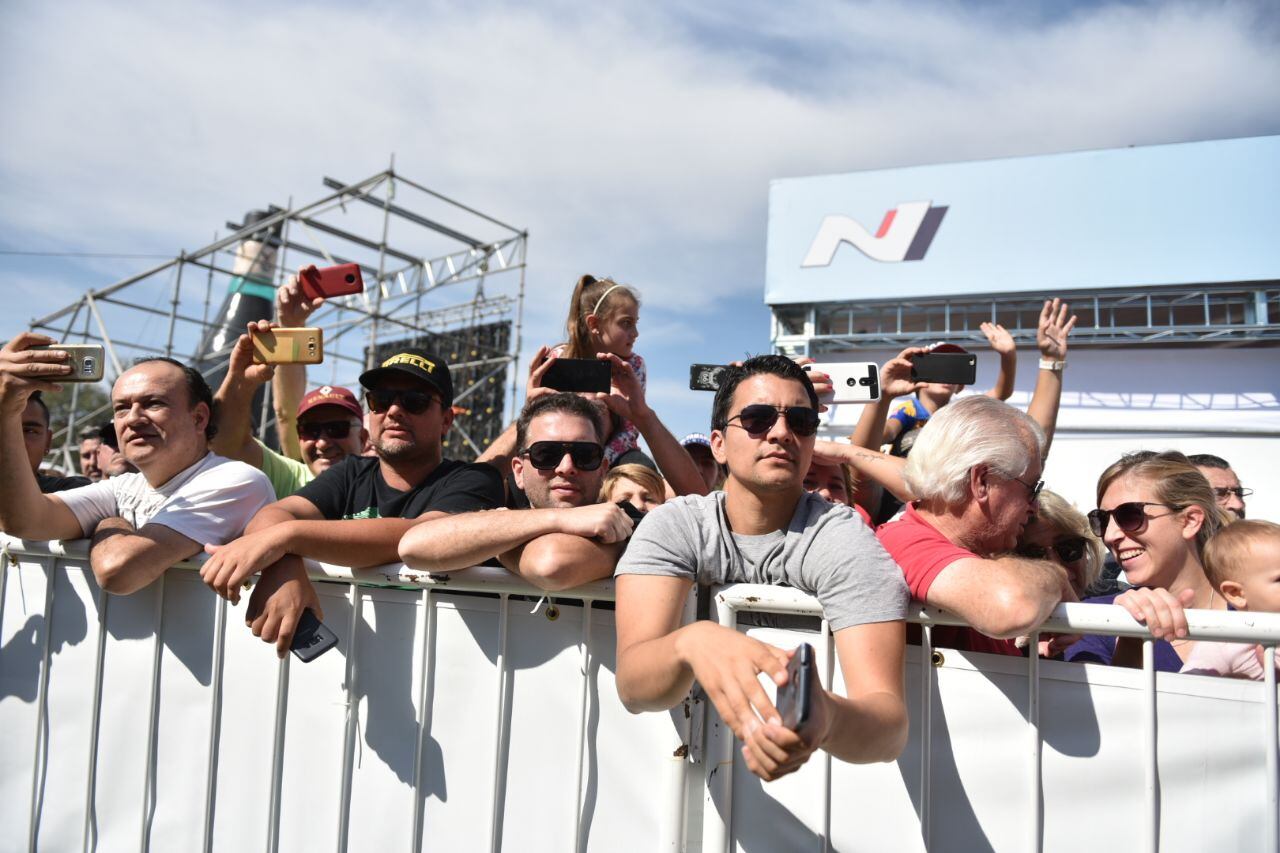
332, 430
1130, 517
547, 455
413, 402
760, 417
1068, 550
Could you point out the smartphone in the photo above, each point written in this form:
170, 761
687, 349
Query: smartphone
578, 374
636, 515
342, 280
706, 377
288, 346
951, 368
795, 698
311, 638
85, 360
853, 381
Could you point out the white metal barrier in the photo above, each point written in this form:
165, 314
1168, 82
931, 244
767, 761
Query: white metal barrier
453, 716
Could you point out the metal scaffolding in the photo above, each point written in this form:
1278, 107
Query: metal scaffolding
425, 250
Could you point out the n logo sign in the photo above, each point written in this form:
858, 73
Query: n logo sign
904, 235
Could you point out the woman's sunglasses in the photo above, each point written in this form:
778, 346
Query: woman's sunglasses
413, 402
1130, 517
759, 418
546, 455
1068, 550
332, 430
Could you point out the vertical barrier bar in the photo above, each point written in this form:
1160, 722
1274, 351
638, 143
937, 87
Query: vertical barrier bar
1272, 746
499, 746
1037, 744
926, 728
4, 578
719, 768
42, 708
215, 719
1150, 758
582, 725
353, 715
828, 681
424, 723
277, 755
153, 720
90, 839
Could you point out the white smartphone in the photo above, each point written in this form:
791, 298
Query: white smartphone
854, 381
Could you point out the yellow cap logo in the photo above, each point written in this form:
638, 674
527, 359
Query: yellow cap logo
409, 358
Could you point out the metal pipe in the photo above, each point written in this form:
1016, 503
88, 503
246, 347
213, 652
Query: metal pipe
173, 304
277, 755
457, 204
153, 720
1272, 744
426, 673
1037, 743
499, 764
215, 719
1151, 777
828, 641
926, 730
42, 711
89, 837
717, 812
418, 219
583, 693
353, 715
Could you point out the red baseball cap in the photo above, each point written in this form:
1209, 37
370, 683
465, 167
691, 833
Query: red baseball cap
330, 395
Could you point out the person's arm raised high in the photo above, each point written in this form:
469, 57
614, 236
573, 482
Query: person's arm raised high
1002, 342
289, 382
874, 427
234, 400
1051, 338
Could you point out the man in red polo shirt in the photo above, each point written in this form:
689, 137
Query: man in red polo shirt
975, 471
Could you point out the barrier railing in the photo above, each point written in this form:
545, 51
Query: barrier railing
471, 713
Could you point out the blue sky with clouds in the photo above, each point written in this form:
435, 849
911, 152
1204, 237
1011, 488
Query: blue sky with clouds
632, 141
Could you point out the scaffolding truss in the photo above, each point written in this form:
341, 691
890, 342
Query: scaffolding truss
434, 270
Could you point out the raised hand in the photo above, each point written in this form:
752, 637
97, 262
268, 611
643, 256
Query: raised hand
895, 374
538, 366
242, 365
1054, 327
23, 370
999, 338
292, 305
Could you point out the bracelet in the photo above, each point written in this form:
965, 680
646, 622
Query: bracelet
1050, 364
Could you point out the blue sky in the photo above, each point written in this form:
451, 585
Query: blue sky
633, 142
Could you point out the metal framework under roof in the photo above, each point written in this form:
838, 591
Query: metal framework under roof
1242, 314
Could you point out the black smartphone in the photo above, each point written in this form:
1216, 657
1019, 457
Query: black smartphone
795, 698
630, 509
951, 368
706, 377
578, 374
311, 638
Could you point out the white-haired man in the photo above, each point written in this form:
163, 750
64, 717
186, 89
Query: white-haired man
975, 472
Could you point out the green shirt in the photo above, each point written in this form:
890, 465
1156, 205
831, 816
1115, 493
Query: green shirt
286, 475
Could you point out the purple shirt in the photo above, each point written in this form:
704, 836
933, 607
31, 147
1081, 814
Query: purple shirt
1096, 648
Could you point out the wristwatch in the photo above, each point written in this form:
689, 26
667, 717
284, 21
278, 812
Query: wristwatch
1050, 364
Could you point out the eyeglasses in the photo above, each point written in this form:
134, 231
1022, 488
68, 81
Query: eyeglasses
1130, 517
1224, 492
1033, 491
547, 455
413, 402
759, 418
1068, 550
332, 430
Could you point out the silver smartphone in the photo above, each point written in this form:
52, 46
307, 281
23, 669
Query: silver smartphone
85, 360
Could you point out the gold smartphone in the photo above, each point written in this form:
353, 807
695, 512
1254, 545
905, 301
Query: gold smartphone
85, 360
288, 346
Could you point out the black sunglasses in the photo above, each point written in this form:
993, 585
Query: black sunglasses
1068, 550
332, 430
547, 455
1033, 492
1130, 517
413, 402
760, 417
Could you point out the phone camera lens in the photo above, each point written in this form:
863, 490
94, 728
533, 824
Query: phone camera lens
851, 382
350, 278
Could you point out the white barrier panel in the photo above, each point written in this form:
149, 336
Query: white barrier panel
158, 721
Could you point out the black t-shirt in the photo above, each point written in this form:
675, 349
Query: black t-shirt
49, 483
354, 488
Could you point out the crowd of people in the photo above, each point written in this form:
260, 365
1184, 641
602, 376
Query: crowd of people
936, 497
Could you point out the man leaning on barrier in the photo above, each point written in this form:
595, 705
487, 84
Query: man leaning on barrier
975, 473
183, 498
355, 513
765, 528
566, 538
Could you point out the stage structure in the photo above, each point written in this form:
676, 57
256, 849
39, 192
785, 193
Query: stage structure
436, 273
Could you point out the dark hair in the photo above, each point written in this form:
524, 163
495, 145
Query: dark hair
107, 432
44, 407
198, 390
565, 402
774, 365
90, 432
1208, 460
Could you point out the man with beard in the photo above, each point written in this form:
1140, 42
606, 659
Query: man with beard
567, 538
355, 513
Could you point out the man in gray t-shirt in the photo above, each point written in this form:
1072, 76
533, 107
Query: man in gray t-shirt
764, 528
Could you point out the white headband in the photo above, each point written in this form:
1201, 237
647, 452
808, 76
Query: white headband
603, 296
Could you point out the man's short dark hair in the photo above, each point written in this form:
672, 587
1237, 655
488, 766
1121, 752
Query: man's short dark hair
565, 402
90, 432
198, 390
107, 432
774, 365
1208, 460
44, 407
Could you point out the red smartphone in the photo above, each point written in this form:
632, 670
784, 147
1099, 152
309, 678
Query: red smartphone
342, 280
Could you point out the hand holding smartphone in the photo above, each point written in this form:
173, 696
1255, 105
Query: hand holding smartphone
288, 346
795, 698
85, 360
580, 375
950, 368
311, 638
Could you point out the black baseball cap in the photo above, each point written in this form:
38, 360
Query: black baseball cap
418, 363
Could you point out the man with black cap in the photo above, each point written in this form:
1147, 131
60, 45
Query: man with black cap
355, 513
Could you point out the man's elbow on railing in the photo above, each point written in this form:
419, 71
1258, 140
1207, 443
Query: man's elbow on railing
114, 575
549, 572
1014, 611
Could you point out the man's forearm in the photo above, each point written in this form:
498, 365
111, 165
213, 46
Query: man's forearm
125, 561
869, 431
24, 511
359, 543
1004, 381
672, 459
556, 561
462, 541
652, 676
867, 729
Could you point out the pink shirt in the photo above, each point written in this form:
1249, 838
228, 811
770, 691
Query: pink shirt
1238, 660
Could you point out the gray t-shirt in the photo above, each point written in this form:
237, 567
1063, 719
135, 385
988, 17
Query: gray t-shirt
826, 551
